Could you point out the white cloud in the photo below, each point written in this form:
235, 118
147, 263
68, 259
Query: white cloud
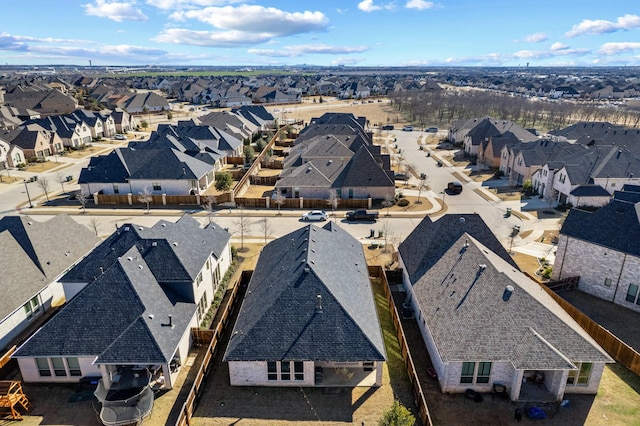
188, 4
211, 38
601, 26
116, 11
368, 6
258, 19
615, 48
533, 38
346, 60
419, 4
559, 46
308, 49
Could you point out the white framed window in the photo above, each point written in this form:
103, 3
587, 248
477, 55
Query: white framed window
157, 186
633, 294
580, 377
32, 307
475, 372
59, 367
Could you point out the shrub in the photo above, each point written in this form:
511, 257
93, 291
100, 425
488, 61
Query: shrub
403, 202
397, 415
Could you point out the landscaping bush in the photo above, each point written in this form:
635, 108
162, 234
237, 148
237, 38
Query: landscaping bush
403, 202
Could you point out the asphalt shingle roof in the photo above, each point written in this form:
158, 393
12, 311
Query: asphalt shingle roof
279, 318
461, 298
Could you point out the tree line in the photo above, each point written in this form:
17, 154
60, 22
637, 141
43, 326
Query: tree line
445, 107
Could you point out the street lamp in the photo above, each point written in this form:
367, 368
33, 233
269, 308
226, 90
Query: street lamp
28, 196
444, 194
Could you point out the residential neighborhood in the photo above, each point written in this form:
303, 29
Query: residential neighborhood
159, 265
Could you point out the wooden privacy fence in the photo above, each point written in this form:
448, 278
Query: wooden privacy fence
615, 347
212, 338
425, 416
307, 203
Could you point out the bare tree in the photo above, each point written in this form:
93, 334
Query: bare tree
265, 227
43, 182
83, 199
411, 170
387, 233
422, 186
278, 199
208, 202
94, 225
145, 197
61, 180
242, 223
333, 201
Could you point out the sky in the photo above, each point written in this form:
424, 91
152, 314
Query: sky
327, 32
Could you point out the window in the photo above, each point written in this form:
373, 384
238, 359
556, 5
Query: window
607, 282
116, 189
272, 371
582, 374
157, 186
367, 366
32, 307
632, 294
43, 367
199, 279
74, 367
285, 370
58, 367
298, 369
467, 372
484, 371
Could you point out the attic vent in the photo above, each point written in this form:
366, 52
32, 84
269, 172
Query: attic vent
164, 225
154, 244
126, 228
330, 161
319, 303
67, 253
462, 220
140, 228
309, 169
29, 223
150, 316
482, 266
139, 266
129, 258
175, 244
508, 290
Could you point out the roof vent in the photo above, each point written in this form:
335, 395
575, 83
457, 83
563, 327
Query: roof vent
175, 244
139, 266
129, 258
462, 220
508, 291
319, 303
150, 316
154, 244
29, 223
482, 266
164, 225
126, 228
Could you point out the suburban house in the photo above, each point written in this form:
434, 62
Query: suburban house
257, 115
144, 102
123, 121
146, 171
309, 316
603, 249
474, 133
10, 155
34, 255
73, 133
129, 327
36, 142
334, 155
195, 138
41, 99
461, 288
100, 124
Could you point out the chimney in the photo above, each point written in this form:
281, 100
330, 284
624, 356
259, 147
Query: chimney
508, 290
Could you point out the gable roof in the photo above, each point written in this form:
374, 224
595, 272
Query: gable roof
462, 297
173, 251
280, 317
616, 226
121, 317
430, 240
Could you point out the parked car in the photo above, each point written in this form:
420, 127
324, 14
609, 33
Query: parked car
401, 176
431, 130
387, 127
454, 187
407, 129
315, 215
120, 137
363, 215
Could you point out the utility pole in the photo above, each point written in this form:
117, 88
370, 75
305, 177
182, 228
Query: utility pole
28, 196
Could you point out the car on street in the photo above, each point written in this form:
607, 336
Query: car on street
387, 127
431, 130
407, 129
454, 187
120, 137
315, 215
362, 215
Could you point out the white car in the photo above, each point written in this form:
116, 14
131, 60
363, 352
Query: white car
120, 137
318, 215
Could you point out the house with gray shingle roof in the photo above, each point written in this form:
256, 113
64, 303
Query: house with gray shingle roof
34, 255
484, 322
154, 171
144, 289
603, 249
309, 315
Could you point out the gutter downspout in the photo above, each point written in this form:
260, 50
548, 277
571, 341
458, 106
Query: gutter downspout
619, 275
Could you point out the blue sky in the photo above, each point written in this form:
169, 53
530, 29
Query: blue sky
328, 32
